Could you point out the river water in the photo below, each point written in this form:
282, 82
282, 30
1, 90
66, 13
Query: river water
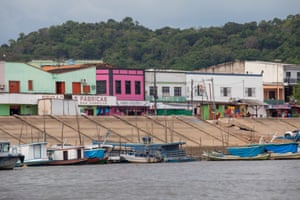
166, 181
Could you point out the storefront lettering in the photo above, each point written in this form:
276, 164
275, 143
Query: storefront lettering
91, 100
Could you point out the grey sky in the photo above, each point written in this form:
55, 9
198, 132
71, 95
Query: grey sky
17, 16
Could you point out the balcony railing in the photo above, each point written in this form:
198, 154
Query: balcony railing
167, 99
273, 101
291, 80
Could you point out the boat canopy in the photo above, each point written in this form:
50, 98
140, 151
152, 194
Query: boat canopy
94, 153
248, 151
281, 148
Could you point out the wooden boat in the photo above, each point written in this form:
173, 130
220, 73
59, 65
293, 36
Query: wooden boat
8, 160
246, 151
285, 156
131, 157
278, 147
164, 152
66, 155
95, 154
115, 151
216, 156
35, 153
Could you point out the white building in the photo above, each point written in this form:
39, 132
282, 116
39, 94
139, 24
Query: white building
272, 75
185, 91
171, 89
226, 88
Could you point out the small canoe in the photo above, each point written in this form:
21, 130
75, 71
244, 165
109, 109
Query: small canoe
285, 156
215, 156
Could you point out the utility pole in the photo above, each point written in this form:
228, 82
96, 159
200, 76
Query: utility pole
213, 98
155, 93
192, 95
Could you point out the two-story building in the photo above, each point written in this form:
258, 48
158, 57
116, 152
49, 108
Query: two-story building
275, 76
127, 85
203, 94
22, 85
166, 92
235, 95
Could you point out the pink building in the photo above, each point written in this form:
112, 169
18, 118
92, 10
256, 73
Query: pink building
128, 87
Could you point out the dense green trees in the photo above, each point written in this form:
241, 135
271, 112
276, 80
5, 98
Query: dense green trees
129, 44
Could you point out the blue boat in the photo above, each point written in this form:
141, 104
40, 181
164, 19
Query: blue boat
165, 152
248, 151
282, 147
282, 151
95, 155
256, 149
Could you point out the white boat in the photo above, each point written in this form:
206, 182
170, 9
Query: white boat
35, 153
66, 154
8, 160
132, 157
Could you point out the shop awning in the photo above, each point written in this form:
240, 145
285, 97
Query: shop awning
253, 102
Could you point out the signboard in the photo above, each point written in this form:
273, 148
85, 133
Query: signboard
95, 100
133, 103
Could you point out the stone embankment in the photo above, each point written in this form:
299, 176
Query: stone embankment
197, 134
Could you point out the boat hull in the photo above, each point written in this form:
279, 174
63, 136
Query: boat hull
68, 162
97, 160
285, 156
9, 162
34, 163
139, 159
210, 156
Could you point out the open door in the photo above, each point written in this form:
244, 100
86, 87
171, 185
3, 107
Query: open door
60, 87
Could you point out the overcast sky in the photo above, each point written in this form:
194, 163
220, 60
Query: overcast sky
25, 16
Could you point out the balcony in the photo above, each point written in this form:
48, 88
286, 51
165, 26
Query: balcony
178, 99
291, 80
273, 101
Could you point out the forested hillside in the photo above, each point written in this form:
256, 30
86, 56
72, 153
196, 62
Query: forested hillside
129, 44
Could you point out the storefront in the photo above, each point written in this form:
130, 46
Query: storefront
130, 108
279, 110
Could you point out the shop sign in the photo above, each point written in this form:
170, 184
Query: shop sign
95, 100
133, 103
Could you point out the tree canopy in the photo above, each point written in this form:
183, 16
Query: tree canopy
129, 44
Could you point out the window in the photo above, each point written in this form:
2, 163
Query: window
165, 91
101, 87
250, 92
76, 88
86, 89
118, 87
151, 91
137, 85
200, 90
288, 74
272, 95
30, 85
128, 87
60, 87
177, 91
225, 91
298, 76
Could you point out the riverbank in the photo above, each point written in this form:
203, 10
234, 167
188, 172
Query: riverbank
197, 134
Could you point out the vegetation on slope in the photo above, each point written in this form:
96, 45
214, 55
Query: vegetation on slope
129, 44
